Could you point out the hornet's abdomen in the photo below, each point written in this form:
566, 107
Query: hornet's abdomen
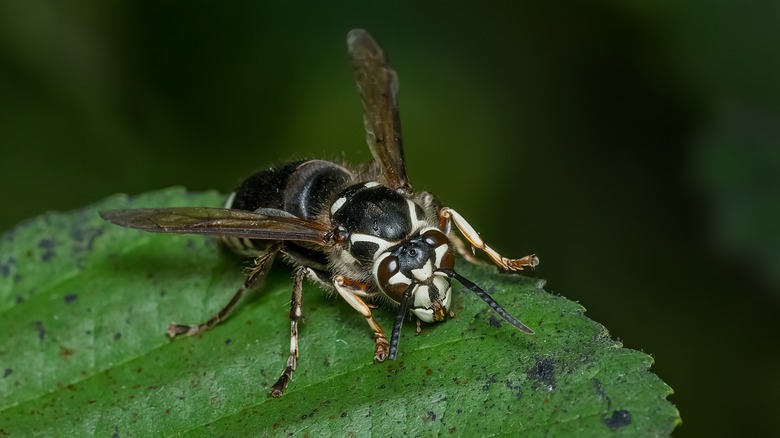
301, 188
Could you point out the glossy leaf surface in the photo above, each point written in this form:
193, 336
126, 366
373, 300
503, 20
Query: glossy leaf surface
84, 306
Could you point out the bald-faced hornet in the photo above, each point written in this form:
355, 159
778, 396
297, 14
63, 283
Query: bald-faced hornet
363, 233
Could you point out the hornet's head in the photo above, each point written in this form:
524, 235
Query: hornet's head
417, 274
413, 267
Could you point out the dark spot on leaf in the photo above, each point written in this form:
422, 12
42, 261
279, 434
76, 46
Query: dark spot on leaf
168, 411
510, 385
326, 361
313, 412
5, 267
117, 336
91, 402
543, 374
492, 379
83, 238
116, 432
47, 245
66, 352
7, 372
343, 414
19, 299
228, 341
619, 418
459, 411
493, 321
41, 330
429, 416
452, 429
69, 298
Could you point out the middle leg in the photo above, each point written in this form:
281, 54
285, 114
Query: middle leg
296, 301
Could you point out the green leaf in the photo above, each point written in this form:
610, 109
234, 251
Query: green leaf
85, 304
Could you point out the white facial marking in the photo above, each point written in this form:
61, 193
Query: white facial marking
399, 278
423, 273
447, 297
337, 205
441, 283
421, 297
425, 315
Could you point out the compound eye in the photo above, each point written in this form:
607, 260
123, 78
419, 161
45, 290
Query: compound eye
435, 238
392, 282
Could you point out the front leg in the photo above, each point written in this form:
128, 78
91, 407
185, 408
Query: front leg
351, 290
447, 216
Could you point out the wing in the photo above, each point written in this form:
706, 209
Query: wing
220, 222
377, 85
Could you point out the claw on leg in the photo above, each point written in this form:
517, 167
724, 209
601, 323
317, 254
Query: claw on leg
382, 348
448, 216
349, 289
296, 301
262, 263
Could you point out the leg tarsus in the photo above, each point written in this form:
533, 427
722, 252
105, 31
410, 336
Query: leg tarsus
382, 348
467, 252
258, 271
296, 302
447, 216
349, 289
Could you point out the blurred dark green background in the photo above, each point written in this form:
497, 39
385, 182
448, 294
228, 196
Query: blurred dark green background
634, 147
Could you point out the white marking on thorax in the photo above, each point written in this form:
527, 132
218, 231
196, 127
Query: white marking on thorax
415, 222
382, 244
370, 184
338, 204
